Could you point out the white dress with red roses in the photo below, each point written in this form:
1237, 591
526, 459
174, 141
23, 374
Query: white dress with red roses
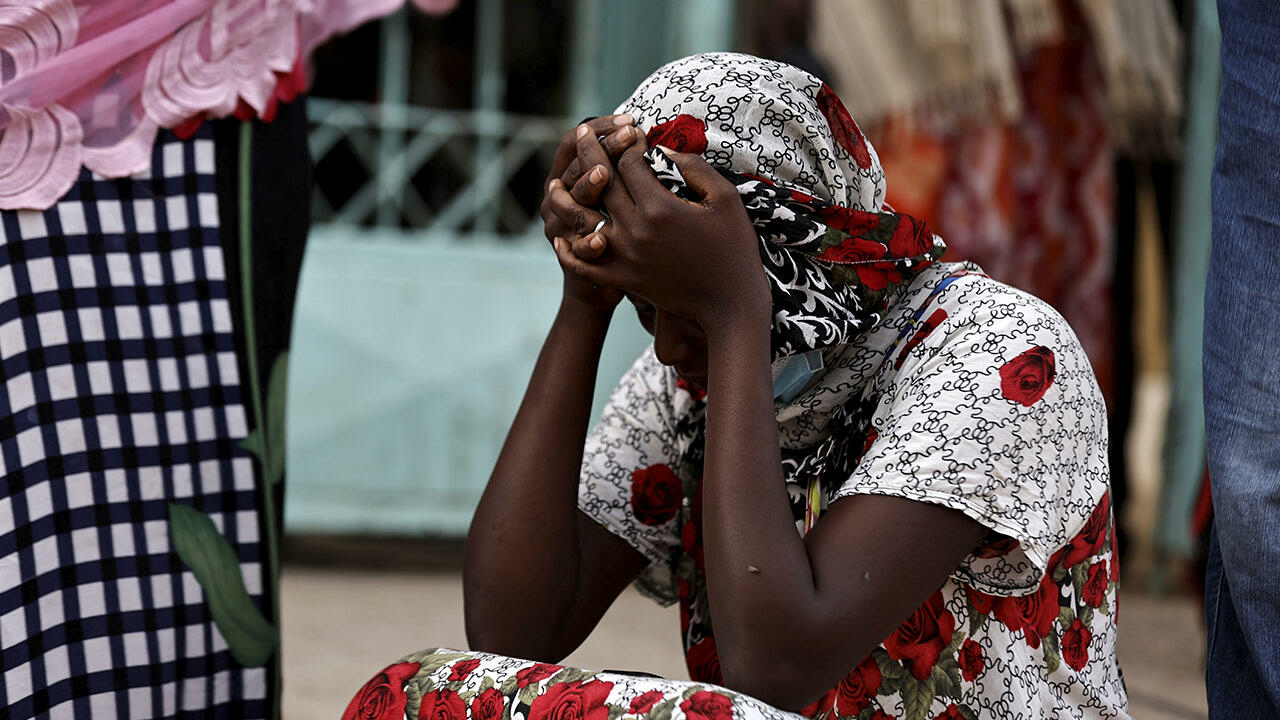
969, 394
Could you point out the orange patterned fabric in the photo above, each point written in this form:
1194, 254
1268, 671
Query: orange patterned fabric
1030, 200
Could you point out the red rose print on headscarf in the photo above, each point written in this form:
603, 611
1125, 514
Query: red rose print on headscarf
462, 669
1094, 592
1075, 645
920, 640
867, 258
572, 701
642, 704
382, 698
970, 660
843, 127
857, 223
910, 238
1092, 536
1025, 378
683, 133
655, 494
1033, 613
442, 705
704, 662
856, 691
487, 705
707, 705
536, 673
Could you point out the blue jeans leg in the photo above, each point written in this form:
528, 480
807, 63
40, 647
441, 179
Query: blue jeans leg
1242, 369
1234, 688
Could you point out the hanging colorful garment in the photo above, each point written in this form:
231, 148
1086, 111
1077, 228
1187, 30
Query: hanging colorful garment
143, 335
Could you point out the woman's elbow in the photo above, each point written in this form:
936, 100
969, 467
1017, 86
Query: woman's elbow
782, 684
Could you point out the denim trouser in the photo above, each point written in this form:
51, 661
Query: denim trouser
1242, 370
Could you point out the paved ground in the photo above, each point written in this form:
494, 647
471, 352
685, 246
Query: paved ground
342, 625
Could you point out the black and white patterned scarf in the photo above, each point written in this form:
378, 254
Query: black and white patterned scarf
812, 186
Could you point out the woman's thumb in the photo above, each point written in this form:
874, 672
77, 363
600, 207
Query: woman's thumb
701, 178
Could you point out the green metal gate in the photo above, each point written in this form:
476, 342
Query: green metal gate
411, 347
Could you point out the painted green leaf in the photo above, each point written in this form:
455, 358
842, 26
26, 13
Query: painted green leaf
1086, 616
571, 675
956, 638
486, 683
413, 695
966, 712
663, 710
1079, 573
277, 385
616, 711
1065, 616
1052, 653
250, 638
946, 677
268, 445
977, 621
891, 672
917, 697
868, 712
508, 686
437, 660
528, 694
691, 691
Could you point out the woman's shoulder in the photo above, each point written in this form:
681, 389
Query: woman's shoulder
957, 309
969, 294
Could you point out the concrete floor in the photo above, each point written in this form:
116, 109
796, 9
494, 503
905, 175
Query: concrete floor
342, 625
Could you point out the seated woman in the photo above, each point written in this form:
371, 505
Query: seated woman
875, 484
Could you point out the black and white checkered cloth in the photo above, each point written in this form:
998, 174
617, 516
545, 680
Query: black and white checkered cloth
119, 393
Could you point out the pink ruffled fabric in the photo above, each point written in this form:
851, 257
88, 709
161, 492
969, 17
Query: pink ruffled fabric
90, 82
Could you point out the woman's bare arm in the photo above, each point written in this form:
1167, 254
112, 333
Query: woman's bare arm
538, 574
791, 615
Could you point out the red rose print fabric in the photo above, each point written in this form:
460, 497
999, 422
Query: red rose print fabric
683, 133
968, 394
655, 494
382, 698
1025, 378
425, 686
920, 640
442, 705
810, 183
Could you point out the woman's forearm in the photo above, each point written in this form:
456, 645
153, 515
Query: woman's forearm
822, 602
522, 553
758, 572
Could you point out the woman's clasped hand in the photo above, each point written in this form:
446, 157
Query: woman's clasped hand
698, 260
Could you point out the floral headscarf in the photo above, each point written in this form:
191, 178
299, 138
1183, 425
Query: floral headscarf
811, 183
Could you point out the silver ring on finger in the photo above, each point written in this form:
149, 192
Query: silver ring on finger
600, 225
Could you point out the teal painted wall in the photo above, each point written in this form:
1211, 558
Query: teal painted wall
408, 361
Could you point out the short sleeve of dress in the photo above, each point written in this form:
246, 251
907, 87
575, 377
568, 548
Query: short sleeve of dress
992, 409
629, 463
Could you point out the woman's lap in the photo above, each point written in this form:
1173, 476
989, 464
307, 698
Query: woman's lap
444, 684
